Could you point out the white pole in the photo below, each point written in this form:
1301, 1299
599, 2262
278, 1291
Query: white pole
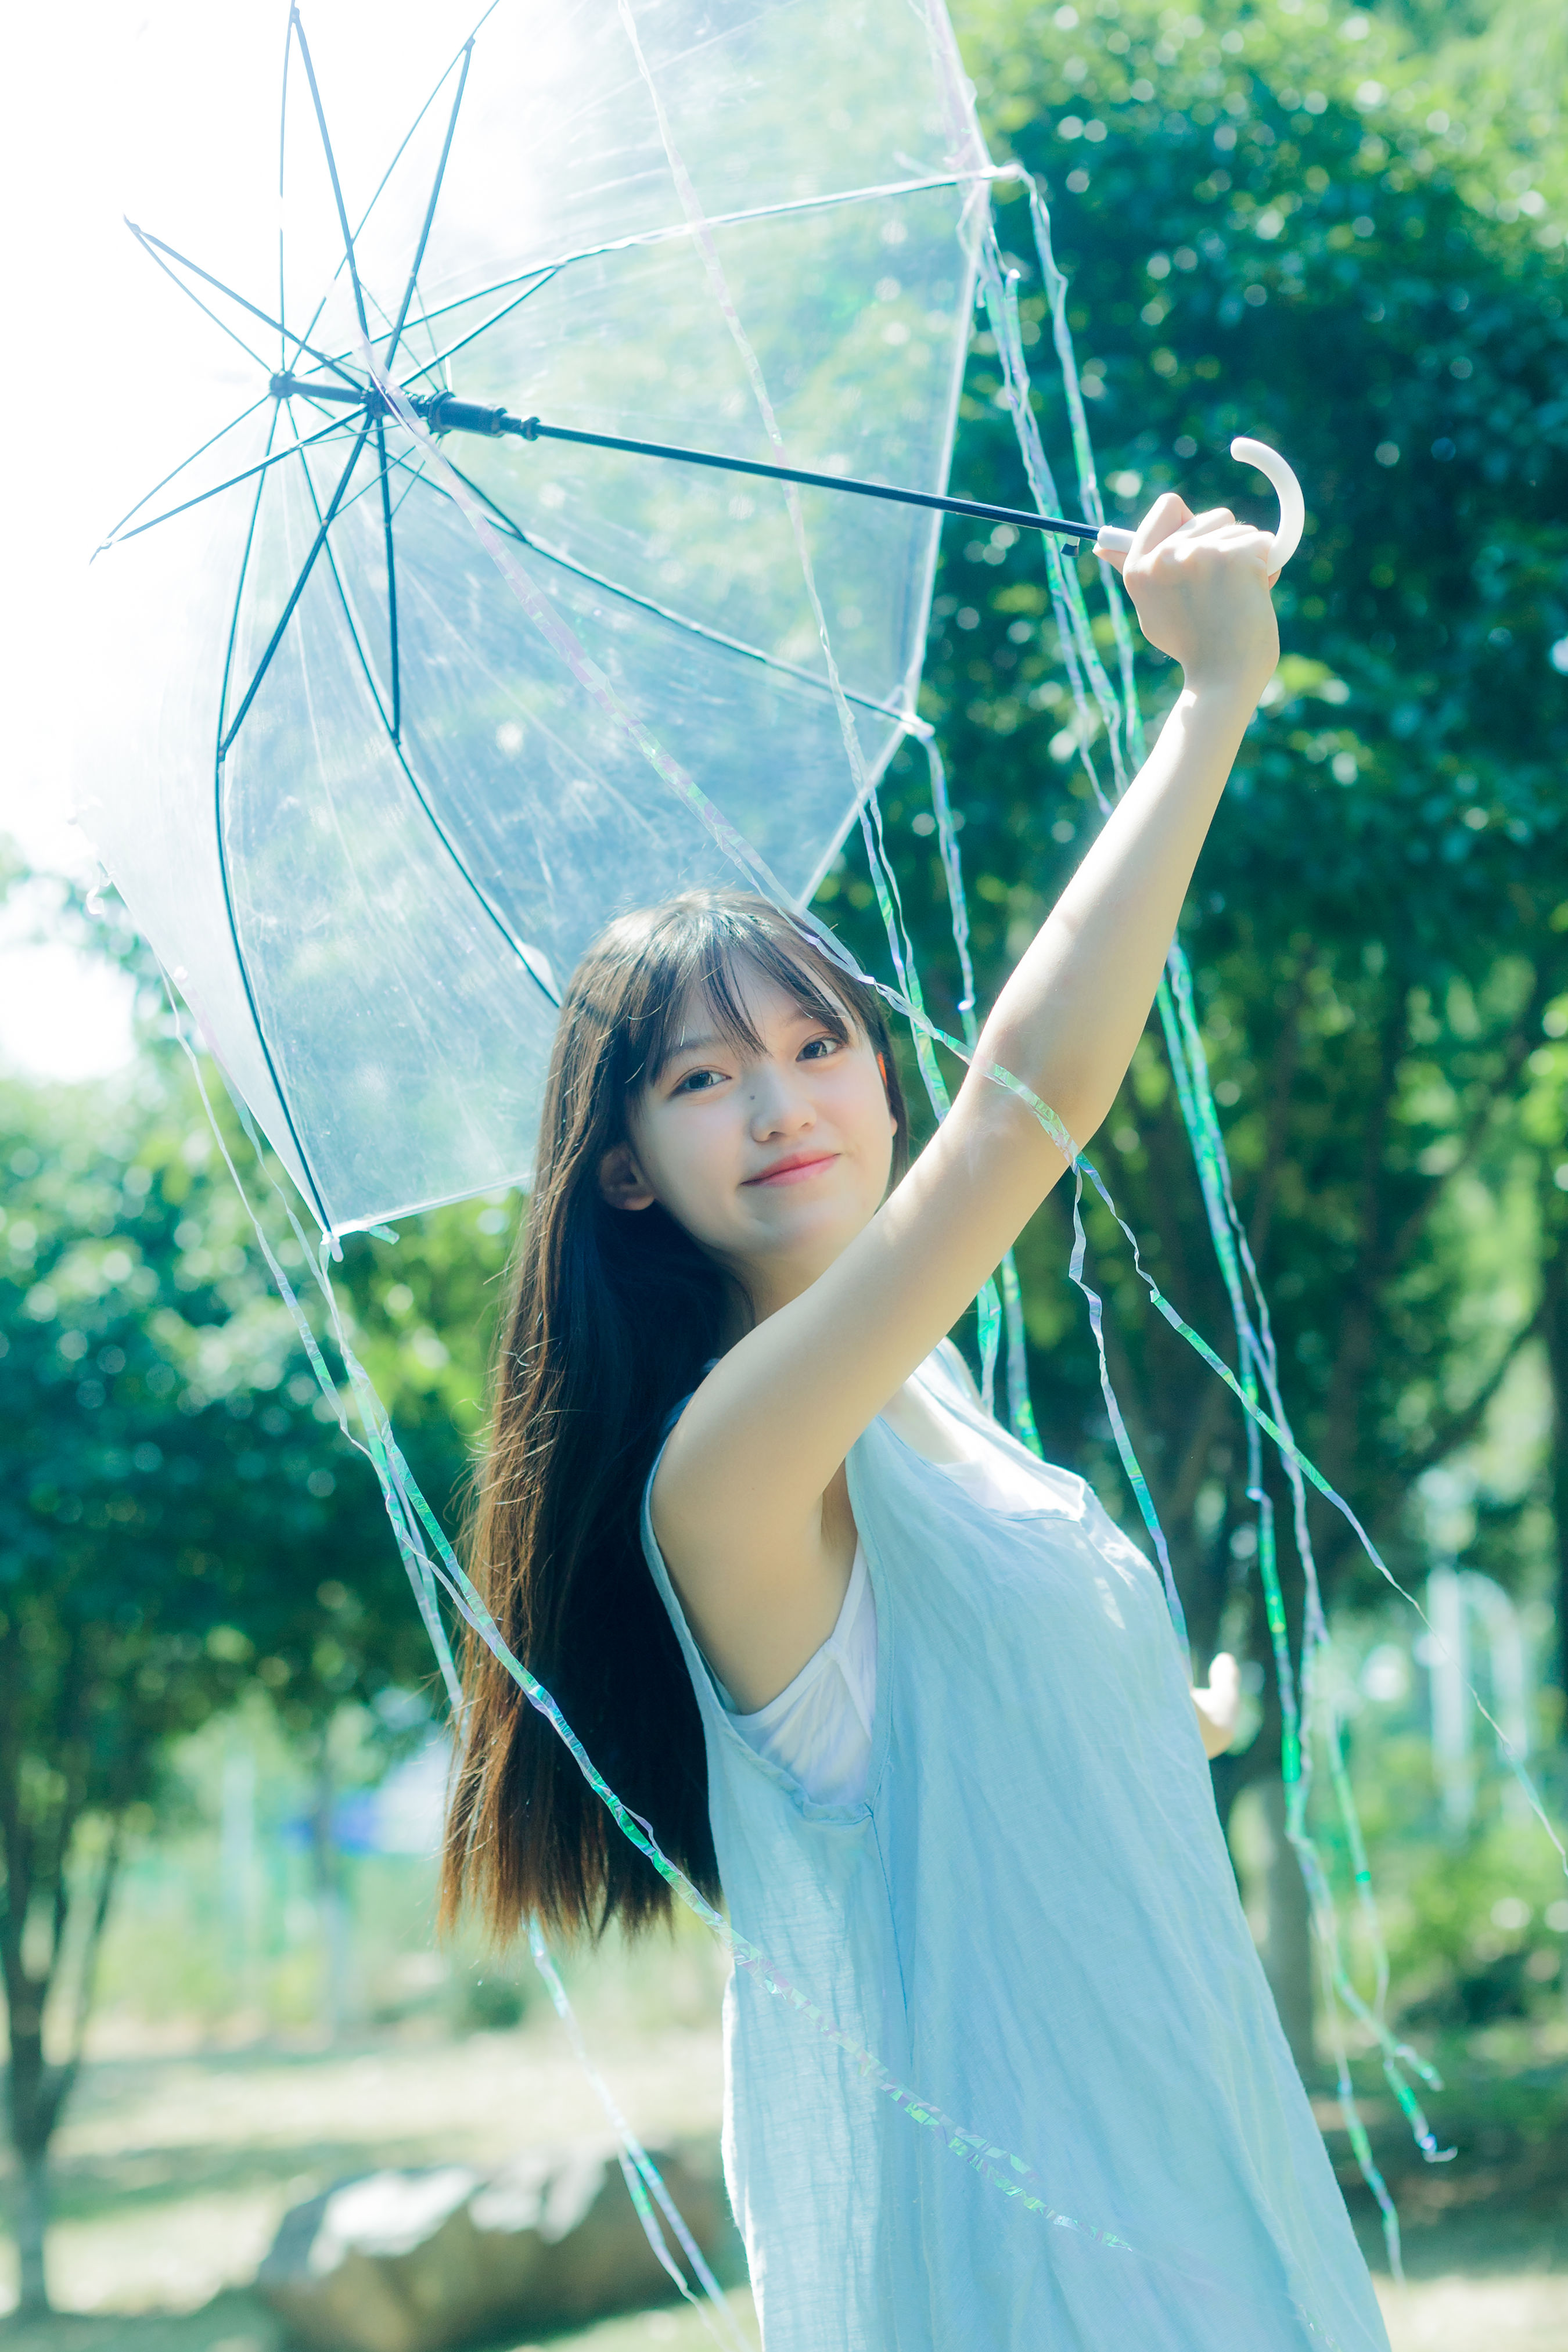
1452, 1763
1490, 1605
236, 1869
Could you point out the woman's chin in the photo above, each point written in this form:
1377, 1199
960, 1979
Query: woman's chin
807, 1232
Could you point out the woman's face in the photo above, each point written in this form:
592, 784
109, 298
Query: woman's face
772, 1159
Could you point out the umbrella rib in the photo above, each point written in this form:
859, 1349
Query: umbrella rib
408, 293
239, 587
174, 472
415, 786
663, 613
146, 238
436, 360
468, 56
147, 241
451, 350
119, 536
297, 28
352, 624
415, 475
401, 148
391, 582
282, 163
298, 588
397, 465
675, 230
239, 956
544, 271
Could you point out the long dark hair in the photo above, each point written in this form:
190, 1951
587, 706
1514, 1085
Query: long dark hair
611, 1320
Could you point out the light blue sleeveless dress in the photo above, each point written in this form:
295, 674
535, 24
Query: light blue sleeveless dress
1032, 1921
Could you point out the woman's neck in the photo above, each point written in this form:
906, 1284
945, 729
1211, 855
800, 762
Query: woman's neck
758, 1291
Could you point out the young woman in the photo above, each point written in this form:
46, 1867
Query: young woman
904, 1694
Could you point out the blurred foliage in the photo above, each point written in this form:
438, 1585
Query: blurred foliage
182, 1518
1274, 221
1340, 232
1475, 1919
175, 1517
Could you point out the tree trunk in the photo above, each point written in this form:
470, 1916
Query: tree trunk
37, 2089
1555, 1325
32, 2222
1288, 1949
34, 2098
331, 1900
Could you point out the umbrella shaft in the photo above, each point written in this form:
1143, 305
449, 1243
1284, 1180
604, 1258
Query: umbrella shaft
1022, 519
443, 413
439, 409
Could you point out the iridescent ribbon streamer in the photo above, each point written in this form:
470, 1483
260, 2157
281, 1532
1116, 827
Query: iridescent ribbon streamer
1257, 1354
378, 1446
643, 2180
582, 666
1123, 726
415, 1528
1020, 1408
411, 1517
419, 1534
560, 636
883, 880
407, 1511
1189, 1068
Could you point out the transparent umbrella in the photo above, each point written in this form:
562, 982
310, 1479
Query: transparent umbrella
350, 790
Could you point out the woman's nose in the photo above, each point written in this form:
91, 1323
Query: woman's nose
778, 1107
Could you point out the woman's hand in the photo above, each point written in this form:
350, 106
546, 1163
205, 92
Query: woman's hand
1200, 584
1219, 1705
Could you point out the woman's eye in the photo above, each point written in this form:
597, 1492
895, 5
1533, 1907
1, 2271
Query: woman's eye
818, 1047
696, 1082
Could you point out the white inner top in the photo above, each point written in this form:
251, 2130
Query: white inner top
818, 1729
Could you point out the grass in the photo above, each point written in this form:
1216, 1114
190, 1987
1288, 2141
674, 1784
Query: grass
236, 2322
173, 2172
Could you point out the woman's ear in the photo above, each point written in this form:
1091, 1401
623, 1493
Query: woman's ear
621, 1181
883, 1065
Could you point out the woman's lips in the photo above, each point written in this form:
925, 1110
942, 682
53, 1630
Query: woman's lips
794, 1171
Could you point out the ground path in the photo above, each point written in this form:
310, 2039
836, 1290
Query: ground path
173, 2172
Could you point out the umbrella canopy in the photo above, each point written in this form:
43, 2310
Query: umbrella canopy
362, 810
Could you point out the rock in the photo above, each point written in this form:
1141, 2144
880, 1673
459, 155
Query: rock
411, 2262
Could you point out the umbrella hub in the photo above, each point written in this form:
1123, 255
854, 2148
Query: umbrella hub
440, 412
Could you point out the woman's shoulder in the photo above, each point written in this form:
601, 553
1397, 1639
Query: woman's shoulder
946, 1374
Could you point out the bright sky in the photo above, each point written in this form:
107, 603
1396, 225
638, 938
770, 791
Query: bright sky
87, 86
167, 111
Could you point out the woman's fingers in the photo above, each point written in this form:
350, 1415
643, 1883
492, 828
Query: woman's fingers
1224, 1689
1168, 515
1200, 584
1211, 520
1219, 1705
1200, 542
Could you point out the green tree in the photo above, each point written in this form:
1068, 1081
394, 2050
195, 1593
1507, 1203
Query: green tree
179, 1513
1271, 227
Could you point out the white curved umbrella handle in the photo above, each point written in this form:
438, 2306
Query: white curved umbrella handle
1286, 488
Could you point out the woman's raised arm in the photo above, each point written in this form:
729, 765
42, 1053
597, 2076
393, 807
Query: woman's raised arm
738, 1500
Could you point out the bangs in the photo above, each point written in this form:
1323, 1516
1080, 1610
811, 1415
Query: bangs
701, 967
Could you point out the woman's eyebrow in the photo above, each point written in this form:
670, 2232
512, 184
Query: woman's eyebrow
712, 1040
